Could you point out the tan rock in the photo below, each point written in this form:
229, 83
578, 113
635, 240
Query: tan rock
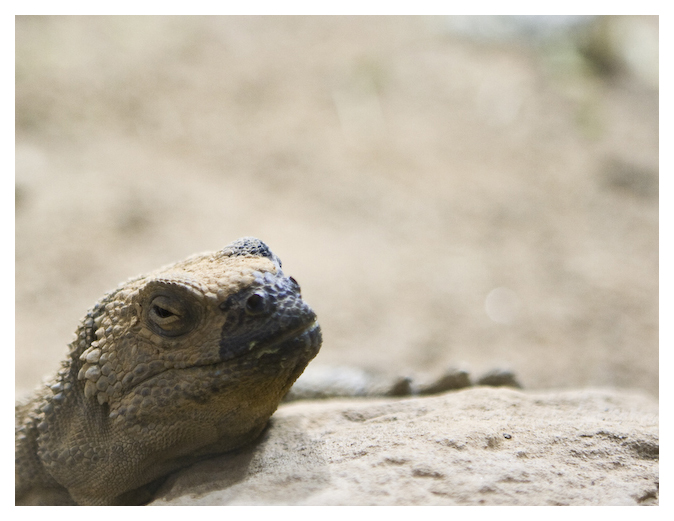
479, 446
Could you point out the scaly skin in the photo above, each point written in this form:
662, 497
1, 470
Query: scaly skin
186, 362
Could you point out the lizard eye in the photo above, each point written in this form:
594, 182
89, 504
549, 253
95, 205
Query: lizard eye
162, 312
169, 315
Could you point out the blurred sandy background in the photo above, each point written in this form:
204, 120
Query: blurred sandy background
446, 190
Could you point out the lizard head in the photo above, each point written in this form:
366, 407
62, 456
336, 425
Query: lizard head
188, 361
212, 344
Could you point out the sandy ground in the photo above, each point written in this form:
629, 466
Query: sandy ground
441, 200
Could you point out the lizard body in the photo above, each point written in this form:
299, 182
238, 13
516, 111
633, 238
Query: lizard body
186, 362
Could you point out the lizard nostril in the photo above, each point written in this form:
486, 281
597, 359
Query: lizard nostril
256, 304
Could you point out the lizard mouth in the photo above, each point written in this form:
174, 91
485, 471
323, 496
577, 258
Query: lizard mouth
283, 341
294, 347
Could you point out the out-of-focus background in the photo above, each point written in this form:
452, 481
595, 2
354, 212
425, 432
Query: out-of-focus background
476, 190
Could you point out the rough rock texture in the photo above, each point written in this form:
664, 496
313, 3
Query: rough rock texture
186, 362
478, 446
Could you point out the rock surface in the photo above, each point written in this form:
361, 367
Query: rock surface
479, 446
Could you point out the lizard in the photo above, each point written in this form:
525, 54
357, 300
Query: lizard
186, 362
183, 363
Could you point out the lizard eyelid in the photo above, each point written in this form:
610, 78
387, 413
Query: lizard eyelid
163, 314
